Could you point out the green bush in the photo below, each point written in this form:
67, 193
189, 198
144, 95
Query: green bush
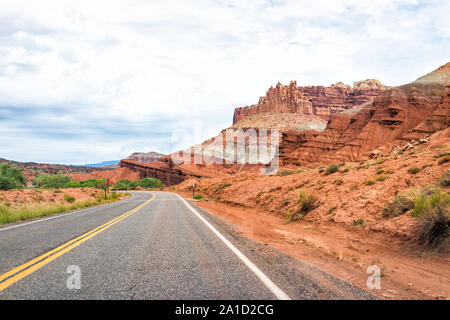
413, 169
11, 178
69, 198
428, 202
198, 197
332, 168
126, 185
402, 203
72, 184
285, 173
47, 181
307, 202
149, 183
434, 229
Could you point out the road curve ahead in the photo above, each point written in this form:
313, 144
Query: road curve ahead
153, 245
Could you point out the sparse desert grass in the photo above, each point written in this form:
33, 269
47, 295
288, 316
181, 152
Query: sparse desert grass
413, 169
444, 159
283, 173
36, 210
222, 186
402, 203
307, 202
332, 168
338, 182
434, 230
369, 182
69, 198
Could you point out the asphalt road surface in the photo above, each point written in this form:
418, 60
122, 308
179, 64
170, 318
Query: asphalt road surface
153, 245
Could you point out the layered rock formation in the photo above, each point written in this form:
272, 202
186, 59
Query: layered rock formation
312, 100
163, 170
397, 116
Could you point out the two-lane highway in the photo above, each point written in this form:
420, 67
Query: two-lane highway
153, 245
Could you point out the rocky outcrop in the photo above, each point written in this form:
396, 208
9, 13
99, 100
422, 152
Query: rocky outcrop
395, 117
164, 170
312, 100
145, 157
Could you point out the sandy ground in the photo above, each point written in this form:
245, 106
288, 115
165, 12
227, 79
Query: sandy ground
28, 196
408, 272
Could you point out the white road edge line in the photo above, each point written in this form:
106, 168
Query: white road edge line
280, 294
62, 215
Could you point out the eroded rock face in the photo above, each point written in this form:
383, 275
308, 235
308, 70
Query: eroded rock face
396, 117
163, 170
312, 100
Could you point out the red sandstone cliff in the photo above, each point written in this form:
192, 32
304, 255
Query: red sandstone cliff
395, 117
312, 100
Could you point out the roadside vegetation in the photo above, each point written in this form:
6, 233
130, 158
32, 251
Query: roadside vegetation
146, 183
11, 178
307, 202
431, 205
10, 214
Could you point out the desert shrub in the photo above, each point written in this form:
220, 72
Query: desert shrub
338, 182
444, 159
198, 197
381, 177
47, 181
286, 201
69, 198
445, 179
332, 168
429, 201
358, 222
283, 173
321, 169
413, 169
126, 185
307, 201
11, 178
222, 186
93, 183
380, 170
369, 182
402, 203
73, 184
149, 183
434, 228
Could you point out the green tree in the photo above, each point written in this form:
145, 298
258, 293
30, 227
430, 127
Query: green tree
11, 177
148, 183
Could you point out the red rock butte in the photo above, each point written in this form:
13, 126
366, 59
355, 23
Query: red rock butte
312, 100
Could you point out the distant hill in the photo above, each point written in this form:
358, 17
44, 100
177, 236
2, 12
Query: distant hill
110, 163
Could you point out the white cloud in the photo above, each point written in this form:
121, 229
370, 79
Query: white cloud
133, 62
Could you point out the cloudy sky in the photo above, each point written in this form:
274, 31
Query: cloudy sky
86, 81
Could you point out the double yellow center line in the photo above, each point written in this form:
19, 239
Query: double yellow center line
14, 275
